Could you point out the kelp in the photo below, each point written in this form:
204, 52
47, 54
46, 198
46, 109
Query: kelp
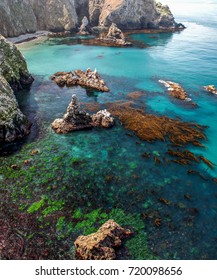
149, 127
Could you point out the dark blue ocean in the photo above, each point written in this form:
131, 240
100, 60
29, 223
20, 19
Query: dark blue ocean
102, 173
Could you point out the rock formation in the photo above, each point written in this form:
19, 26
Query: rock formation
84, 28
103, 119
13, 74
77, 119
25, 16
211, 88
175, 90
115, 37
102, 244
88, 78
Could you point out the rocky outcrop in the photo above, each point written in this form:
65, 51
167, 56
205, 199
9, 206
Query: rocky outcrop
13, 124
26, 16
139, 14
84, 28
211, 88
103, 119
77, 119
115, 37
13, 74
13, 65
175, 90
88, 78
102, 244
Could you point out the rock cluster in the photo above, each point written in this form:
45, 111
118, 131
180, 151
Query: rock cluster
115, 37
77, 119
211, 88
175, 90
102, 244
27, 16
88, 78
13, 75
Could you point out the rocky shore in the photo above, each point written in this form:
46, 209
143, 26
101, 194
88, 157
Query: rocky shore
14, 75
90, 79
77, 119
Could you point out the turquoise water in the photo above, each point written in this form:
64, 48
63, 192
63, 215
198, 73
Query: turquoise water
104, 169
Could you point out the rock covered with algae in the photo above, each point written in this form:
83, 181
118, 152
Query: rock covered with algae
102, 244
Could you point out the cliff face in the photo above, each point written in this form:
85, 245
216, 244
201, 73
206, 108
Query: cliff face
13, 73
24, 16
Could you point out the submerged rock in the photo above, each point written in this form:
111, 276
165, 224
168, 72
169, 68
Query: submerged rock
88, 78
211, 88
102, 244
115, 37
77, 119
13, 75
175, 90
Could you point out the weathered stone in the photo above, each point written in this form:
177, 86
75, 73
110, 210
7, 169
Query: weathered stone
175, 90
13, 73
115, 37
86, 78
103, 119
211, 88
102, 244
84, 28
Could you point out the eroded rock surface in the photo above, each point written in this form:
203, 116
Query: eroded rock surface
13, 75
84, 28
102, 244
115, 37
77, 119
175, 90
211, 88
88, 78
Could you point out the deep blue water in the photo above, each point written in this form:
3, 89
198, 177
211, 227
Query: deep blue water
189, 58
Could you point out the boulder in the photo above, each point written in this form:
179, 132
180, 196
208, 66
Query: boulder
175, 90
211, 88
102, 244
103, 119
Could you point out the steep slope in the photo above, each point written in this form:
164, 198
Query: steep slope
13, 73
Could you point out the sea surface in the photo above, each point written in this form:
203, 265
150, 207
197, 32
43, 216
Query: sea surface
71, 184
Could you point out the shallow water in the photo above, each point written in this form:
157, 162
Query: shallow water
99, 170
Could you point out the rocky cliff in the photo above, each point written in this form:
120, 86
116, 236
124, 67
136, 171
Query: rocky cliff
25, 16
13, 74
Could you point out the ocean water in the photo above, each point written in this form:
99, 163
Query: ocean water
75, 181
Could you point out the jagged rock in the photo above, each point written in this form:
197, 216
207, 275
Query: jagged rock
84, 28
86, 78
13, 124
13, 74
74, 119
115, 37
27, 16
103, 118
175, 90
102, 244
77, 119
139, 14
211, 88
13, 65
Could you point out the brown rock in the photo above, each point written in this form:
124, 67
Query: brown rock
211, 88
102, 244
175, 90
103, 118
